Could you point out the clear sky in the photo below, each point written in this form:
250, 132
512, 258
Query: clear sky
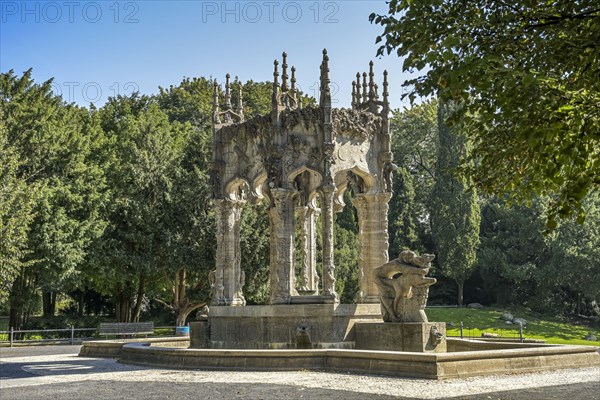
95, 49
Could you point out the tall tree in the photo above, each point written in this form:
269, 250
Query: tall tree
455, 215
144, 150
54, 149
16, 213
527, 74
512, 252
414, 144
574, 267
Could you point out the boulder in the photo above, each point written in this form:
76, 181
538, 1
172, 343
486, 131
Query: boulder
508, 322
474, 305
506, 316
591, 338
490, 335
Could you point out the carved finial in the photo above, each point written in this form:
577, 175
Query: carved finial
376, 92
240, 104
325, 90
275, 81
358, 96
353, 94
275, 97
365, 93
216, 119
371, 82
284, 75
227, 92
386, 102
293, 79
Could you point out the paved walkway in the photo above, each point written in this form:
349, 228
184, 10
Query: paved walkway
57, 372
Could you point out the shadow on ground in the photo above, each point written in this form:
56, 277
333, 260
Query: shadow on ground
587, 390
108, 390
215, 391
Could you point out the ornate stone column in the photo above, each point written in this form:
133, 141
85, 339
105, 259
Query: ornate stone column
228, 278
328, 261
374, 240
283, 232
309, 280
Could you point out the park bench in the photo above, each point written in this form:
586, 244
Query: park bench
126, 328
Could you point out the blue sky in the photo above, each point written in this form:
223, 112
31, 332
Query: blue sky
95, 49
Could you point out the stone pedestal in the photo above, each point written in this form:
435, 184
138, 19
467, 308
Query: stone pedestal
200, 335
390, 336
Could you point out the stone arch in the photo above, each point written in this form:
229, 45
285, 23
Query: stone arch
305, 180
237, 189
366, 184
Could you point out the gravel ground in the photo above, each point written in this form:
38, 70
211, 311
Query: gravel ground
27, 374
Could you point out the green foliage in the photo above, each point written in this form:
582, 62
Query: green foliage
16, 214
255, 252
345, 252
53, 143
574, 263
414, 145
402, 224
455, 215
511, 252
527, 75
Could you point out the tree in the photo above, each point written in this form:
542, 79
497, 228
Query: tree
574, 264
143, 150
527, 75
512, 252
455, 215
414, 144
52, 141
402, 222
16, 213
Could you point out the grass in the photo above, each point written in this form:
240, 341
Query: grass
477, 321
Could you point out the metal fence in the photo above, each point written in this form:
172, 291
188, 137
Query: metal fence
514, 333
70, 335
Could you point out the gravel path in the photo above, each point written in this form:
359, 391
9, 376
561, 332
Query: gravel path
67, 376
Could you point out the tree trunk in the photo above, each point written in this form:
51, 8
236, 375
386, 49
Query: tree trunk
123, 304
461, 285
49, 303
139, 300
80, 303
16, 301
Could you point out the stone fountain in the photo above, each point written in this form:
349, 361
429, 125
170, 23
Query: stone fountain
301, 161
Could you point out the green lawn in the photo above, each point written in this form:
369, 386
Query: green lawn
475, 321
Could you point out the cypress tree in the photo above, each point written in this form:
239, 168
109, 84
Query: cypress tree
455, 214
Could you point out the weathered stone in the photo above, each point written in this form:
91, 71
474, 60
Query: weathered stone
418, 337
591, 337
518, 321
490, 335
282, 326
298, 157
199, 335
404, 288
506, 316
474, 305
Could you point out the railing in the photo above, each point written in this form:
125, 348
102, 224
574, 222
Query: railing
515, 333
60, 336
